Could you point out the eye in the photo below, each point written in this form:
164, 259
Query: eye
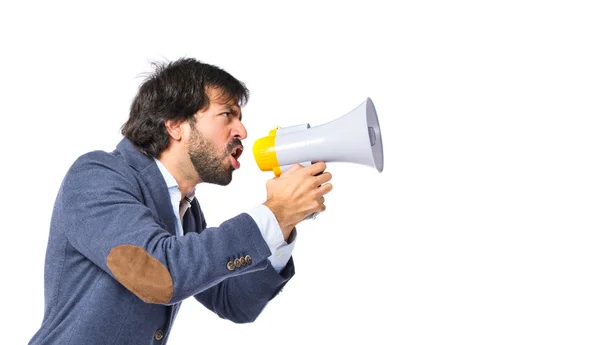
226, 114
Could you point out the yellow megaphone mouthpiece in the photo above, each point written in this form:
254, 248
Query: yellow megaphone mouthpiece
265, 154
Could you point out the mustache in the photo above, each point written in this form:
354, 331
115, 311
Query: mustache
235, 142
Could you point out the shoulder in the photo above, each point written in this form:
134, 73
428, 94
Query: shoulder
101, 167
100, 160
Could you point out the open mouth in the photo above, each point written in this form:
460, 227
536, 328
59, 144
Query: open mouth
237, 152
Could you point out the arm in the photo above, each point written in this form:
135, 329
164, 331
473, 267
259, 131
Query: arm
293, 196
242, 298
101, 209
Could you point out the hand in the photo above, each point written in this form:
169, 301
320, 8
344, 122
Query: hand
296, 193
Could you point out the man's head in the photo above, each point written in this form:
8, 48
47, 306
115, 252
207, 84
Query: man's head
191, 112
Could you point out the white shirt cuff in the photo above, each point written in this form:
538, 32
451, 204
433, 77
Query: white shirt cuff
271, 232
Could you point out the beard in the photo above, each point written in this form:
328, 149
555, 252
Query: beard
211, 165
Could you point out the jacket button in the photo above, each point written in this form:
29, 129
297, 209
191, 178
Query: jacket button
230, 266
248, 259
237, 263
158, 335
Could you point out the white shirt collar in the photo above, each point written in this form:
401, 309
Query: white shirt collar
179, 206
171, 182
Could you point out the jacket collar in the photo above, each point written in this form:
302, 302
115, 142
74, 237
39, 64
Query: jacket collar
152, 178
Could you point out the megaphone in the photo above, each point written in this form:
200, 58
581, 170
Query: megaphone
354, 138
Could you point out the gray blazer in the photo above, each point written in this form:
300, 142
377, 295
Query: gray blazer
116, 273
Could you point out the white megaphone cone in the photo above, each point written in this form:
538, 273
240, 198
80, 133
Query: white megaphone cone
352, 138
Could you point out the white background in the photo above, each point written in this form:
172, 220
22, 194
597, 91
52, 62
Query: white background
483, 227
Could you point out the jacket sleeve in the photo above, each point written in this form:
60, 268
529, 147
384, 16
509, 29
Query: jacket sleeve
241, 299
102, 212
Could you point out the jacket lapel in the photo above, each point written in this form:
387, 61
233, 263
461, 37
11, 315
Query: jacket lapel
152, 178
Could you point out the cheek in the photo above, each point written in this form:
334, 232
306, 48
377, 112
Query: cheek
218, 135
221, 138
219, 144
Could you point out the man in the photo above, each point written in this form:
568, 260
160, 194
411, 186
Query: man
128, 240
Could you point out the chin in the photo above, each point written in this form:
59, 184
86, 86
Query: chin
226, 178
225, 182
222, 177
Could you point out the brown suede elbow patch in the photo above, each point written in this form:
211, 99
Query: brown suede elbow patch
141, 273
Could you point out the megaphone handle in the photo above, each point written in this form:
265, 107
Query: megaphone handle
286, 167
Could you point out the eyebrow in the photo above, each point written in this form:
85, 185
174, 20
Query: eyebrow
233, 109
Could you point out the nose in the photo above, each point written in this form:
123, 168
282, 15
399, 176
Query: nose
240, 131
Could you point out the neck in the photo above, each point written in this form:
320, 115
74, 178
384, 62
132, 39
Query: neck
185, 175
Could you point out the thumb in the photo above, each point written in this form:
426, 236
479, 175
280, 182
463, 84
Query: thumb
292, 169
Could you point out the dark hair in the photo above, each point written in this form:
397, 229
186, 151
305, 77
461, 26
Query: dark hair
175, 91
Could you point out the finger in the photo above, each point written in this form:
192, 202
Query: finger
316, 168
319, 205
322, 178
325, 188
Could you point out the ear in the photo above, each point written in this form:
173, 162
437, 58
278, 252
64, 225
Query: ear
175, 129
